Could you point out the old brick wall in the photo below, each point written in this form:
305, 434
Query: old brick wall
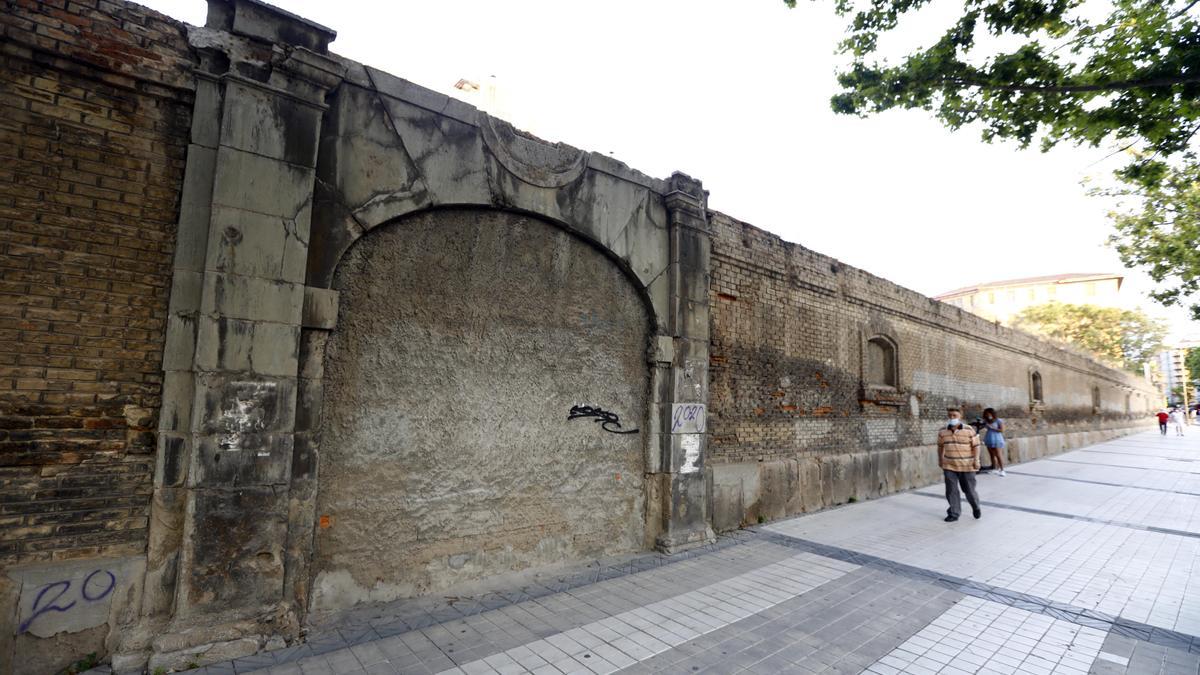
789, 334
95, 107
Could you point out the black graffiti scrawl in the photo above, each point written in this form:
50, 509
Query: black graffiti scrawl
601, 417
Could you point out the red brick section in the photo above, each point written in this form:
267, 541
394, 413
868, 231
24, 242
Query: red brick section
95, 108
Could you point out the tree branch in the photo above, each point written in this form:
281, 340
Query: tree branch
1150, 83
1184, 10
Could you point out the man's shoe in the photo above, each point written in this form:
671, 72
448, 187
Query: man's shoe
977, 513
951, 519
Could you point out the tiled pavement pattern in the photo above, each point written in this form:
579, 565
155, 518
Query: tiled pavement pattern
624, 639
986, 637
1030, 588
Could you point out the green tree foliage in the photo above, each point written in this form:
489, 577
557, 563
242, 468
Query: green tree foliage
1163, 236
1192, 363
1053, 71
1123, 337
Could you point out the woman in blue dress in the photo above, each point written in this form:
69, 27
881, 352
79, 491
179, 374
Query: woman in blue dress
993, 438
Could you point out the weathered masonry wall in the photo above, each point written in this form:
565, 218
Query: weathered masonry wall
94, 115
797, 419
281, 333
464, 337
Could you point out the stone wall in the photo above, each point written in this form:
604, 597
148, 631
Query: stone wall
175, 206
794, 419
95, 106
464, 339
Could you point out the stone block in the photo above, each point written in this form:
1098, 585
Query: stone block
320, 308
261, 184
269, 24
186, 288
205, 654
258, 347
809, 470
69, 597
728, 510
233, 405
171, 461
258, 245
162, 551
778, 483
240, 297
206, 113
659, 292
195, 208
177, 401
308, 404
180, 347
234, 460
664, 349
233, 551
448, 157
265, 122
312, 354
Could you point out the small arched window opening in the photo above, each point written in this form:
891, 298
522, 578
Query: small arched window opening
1128, 405
881, 363
1095, 399
1035, 386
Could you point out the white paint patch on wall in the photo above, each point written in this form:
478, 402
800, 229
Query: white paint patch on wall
691, 453
947, 385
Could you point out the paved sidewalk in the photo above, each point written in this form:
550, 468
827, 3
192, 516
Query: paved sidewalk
1087, 562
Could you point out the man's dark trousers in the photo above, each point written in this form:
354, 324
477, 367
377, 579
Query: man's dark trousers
954, 479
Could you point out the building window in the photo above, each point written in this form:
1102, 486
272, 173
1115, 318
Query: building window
1095, 399
881, 362
1035, 386
1127, 405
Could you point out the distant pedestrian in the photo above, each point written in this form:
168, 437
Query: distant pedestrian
1179, 420
1162, 421
993, 439
958, 456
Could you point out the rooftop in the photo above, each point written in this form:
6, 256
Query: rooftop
1071, 278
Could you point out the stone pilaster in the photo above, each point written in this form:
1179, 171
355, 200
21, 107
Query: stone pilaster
682, 379
221, 509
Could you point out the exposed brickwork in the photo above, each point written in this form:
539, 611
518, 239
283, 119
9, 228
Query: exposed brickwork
789, 331
94, 123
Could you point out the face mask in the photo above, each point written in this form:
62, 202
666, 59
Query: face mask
954, 423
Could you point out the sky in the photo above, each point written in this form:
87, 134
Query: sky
737, 95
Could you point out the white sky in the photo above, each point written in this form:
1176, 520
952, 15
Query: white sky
737, 95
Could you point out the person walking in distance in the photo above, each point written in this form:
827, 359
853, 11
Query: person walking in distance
958, 456
1179, 420
993, 438
1162, 421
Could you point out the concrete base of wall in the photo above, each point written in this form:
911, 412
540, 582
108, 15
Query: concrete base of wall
747, 493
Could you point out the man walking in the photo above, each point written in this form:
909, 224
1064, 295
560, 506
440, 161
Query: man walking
1162, 421
958, 455
1179, 419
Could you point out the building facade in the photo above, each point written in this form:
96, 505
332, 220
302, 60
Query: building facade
283, 333
1172, 375
1003, 300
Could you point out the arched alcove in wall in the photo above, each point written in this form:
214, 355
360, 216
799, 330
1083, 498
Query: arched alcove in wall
463, 339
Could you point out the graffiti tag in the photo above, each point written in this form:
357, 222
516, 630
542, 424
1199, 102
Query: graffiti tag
687, 418
601, 417
51, 597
